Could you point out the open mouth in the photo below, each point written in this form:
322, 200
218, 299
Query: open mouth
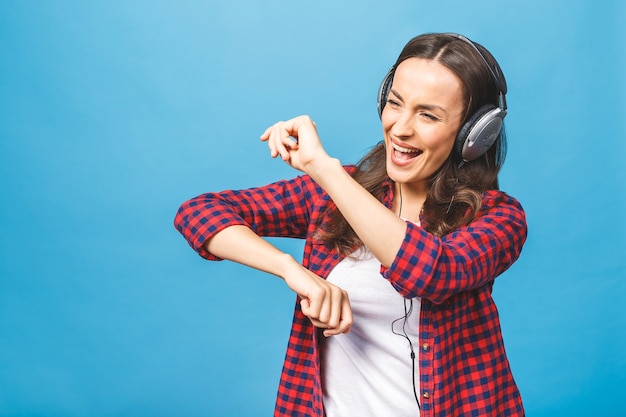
402, 154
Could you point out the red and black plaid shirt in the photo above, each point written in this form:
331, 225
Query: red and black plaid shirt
463, 367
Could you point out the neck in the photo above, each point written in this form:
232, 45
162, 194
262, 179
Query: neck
408, 203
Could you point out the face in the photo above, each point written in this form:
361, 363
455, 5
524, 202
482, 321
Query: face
420, 120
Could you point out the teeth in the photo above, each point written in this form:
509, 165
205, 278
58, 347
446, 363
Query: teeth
405, 150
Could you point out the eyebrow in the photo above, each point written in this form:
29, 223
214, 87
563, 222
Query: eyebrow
423, 106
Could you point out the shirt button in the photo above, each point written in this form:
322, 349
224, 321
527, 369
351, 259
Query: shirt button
425, 347
426, 395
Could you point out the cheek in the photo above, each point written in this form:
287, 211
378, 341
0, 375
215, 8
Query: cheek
439, 142
386, 123
448, 146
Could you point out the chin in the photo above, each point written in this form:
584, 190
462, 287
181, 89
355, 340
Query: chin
398, 178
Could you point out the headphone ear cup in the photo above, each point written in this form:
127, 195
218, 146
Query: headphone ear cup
383, 91
479, 132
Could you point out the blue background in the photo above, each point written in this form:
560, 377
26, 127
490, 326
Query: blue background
113, 113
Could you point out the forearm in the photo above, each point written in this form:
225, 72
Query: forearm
326, 305
240, 244
297, 143
377, 226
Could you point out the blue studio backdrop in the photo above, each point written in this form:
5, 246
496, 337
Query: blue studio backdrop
113, 113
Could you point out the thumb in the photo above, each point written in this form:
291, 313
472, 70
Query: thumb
305, 305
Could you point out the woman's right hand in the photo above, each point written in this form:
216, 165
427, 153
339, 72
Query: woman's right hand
325, 304
297, 142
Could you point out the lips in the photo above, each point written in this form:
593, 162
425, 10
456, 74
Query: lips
401, 154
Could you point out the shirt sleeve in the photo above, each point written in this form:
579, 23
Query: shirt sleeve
280, 209
437, 268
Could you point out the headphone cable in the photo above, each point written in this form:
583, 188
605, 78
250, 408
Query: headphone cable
407, 313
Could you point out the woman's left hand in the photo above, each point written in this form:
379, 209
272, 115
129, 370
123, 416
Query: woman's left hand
296, 141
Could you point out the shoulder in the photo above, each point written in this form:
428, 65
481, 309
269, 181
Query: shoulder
502, 211
492, 199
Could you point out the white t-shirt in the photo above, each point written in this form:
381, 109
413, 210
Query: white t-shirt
367, 372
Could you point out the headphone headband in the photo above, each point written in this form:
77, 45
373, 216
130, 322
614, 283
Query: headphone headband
495, 71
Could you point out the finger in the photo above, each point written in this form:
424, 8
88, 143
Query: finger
289, 144
286, 144
327, 330
336, 304
280, 141
326, 308
314, 304
345, 322
305, 305
270, 136
271, 142
318, 323
311, 310
335, 331
266, 134
343, 328
267, 137
346, 315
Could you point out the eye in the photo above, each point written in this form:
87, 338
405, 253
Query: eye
393, 103
429, 116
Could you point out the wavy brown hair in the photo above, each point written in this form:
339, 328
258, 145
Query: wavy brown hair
454, 191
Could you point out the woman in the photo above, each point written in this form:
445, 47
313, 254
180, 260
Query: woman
395, 315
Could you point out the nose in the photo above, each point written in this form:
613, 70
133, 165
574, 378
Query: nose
403, 125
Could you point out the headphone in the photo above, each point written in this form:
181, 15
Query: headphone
482, 128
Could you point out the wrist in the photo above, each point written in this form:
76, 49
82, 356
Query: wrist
325, 168
284, 264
